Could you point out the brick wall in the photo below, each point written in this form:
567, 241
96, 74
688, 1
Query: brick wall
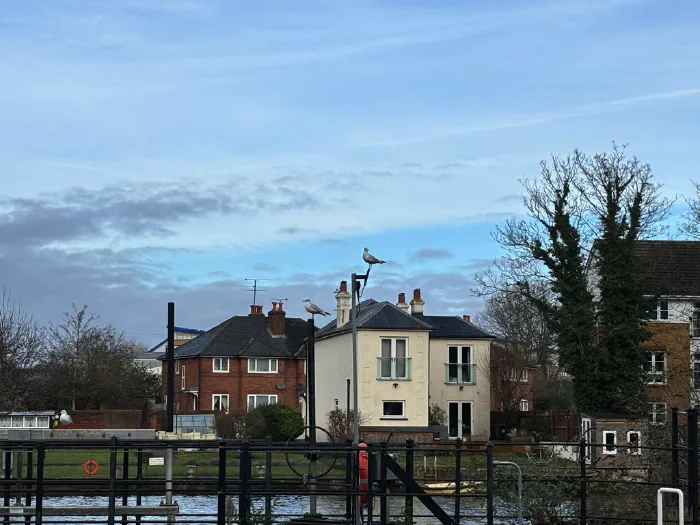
672, 338
105, 419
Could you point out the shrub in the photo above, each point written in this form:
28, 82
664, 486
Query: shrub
436, 416
230, 425
339, 424
281, 421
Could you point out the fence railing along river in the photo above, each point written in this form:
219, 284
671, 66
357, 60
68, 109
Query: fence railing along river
260, 482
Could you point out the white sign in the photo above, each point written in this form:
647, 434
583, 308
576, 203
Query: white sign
156, 461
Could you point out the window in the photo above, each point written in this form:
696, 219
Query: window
219, 402
260, 400
220, 364
177, 366
5, 421
634, 441
262, 366
394, 362
335, 403
695, 321
459, 368
656, 368
696, 370
182, 379
524, 406
393, 409
657, 413
661, 311
29, 422
609, 442
519, 374
42, 422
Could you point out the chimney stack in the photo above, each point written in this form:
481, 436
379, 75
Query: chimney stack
255, 311
342, 298
276, 319
467, 318
402, 305
417, 303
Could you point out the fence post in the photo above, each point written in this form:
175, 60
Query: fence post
582, 481
7, 466
268, 481
139, 479
221, 495
693, 464
458, 478
383, 506
348, 479
674, 445
112, 480
125, 485
370, 481
409, 470
28, 485
39, 512
489, 483
244, 474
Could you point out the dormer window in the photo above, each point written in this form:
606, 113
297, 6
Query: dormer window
661, 311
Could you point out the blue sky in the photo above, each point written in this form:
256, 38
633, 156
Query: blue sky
166, 150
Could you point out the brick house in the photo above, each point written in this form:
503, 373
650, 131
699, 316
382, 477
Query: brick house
511, 380
243, 363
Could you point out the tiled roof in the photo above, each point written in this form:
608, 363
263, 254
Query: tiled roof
669, 267
375, 315
453, 327
242, 336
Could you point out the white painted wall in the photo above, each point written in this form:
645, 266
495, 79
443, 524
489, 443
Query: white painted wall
333, 368
479, 394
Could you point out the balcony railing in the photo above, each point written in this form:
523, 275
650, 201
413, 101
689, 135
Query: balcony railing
460, 374
656, 378
394, 368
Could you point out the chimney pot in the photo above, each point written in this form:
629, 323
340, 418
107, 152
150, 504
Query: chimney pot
253, 310
467, 318
402, 297
417, 303
343, 286
416, 294
279, 306
274, 306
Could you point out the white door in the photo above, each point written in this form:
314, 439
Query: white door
459, 414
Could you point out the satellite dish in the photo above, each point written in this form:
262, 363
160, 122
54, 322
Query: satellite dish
280, 386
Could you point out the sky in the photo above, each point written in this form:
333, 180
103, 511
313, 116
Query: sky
167, 150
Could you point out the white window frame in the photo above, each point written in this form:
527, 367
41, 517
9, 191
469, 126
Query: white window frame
221, 361
255, 400
221, 397
182, 378
696, 371
177, 366
392, 355
653, 374
636, 451
253, 365
524, 402
403, 409
695, 320
518, 374
606, 451
656, 314
653, 412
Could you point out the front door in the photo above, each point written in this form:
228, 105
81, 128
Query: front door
460, 419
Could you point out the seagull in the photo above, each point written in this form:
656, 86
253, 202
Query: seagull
371, 259
65, 419
313, 309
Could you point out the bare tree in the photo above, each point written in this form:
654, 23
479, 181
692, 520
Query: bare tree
22, 354
691, 224
509, 376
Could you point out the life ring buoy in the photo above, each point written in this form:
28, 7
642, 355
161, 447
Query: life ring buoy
363, 463
91, 467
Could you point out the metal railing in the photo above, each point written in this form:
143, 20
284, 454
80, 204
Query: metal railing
397, 368
460, 374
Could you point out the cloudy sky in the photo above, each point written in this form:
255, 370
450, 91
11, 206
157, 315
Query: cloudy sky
167, 149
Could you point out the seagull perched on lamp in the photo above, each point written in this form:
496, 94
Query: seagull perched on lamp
313, 309
371, 259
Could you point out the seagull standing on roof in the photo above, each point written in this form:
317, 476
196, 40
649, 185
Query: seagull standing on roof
313, 309
65, 419
371, 259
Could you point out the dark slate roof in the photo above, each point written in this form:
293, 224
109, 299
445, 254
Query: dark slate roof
243, 336
669, 267
451, 327
375, 315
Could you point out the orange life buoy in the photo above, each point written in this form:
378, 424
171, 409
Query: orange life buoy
91, 467
364, 475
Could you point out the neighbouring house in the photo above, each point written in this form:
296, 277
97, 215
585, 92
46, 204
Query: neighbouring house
406, 362
615, 440
152, 359
511, 378
670, 272
243, 363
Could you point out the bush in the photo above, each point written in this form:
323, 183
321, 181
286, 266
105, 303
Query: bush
553, 394
436, 416
281, 421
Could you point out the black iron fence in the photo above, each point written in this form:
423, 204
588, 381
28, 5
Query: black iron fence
261, 482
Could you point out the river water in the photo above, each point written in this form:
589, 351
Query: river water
200, 510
